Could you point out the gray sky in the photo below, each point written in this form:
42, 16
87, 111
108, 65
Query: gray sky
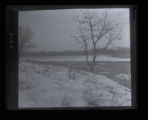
53, 28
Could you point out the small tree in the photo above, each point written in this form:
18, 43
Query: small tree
25, 36
97, 31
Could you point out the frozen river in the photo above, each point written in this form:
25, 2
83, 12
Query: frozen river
75, 58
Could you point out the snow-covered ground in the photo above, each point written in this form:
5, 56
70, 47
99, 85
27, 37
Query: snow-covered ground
56, 86
76, 58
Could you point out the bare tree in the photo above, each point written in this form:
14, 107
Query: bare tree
25, 36
97, 31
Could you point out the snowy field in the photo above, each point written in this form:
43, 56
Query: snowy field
115, 68
58, 86
76, 58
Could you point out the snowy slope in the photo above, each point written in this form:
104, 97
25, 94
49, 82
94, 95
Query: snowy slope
57, 86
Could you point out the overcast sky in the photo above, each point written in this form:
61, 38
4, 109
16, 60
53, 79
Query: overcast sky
53, 28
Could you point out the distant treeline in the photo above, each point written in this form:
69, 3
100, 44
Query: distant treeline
120, 52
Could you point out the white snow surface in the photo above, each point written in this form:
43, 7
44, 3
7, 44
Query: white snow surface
50, 86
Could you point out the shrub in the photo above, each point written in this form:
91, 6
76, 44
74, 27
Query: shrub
89, 93
123, 77
23, 85
66, 101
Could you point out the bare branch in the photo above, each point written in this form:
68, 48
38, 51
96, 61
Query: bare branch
25, 37
96, 27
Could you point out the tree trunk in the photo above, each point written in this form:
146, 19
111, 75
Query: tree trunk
70, 70
92, 68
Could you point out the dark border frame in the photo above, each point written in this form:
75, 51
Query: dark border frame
11, 54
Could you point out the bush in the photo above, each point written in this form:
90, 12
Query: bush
66, 101
89, 93
25, 85
123, 77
